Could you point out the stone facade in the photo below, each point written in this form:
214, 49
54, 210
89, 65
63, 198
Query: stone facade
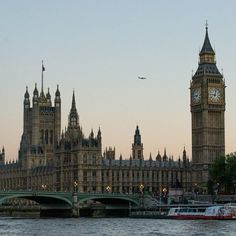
68, 161
80, 164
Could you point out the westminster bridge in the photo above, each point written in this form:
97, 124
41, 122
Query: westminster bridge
69, 204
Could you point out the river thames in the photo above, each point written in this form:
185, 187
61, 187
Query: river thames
114, 226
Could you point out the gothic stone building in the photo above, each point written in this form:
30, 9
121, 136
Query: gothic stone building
67, 161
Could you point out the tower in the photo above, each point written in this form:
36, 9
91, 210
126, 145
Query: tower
74, 130
73, 121
207, 93
57, 107
2, 156
41, 128
137, 146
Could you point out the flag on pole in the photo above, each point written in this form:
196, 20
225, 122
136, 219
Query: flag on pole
43, 69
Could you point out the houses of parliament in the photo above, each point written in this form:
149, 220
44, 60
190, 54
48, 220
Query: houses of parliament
55, 160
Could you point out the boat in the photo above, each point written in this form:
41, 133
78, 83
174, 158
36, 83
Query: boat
218, 212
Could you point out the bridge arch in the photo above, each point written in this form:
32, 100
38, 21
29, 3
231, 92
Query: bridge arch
41, 198
110, 198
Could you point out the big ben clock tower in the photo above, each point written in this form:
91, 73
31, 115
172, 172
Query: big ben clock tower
207, 93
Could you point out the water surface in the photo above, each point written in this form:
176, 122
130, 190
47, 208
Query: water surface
114, 226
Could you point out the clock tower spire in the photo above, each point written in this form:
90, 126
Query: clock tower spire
207, 92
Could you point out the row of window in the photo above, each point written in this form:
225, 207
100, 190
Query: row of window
46, 136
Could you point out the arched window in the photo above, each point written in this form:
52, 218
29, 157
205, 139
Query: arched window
84, 159
94, 159
75, 159
46, 136
42, 136
51, 136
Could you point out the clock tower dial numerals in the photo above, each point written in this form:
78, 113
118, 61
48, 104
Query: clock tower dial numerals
196, 95
214, 95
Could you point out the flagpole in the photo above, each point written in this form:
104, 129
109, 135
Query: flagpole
42, 76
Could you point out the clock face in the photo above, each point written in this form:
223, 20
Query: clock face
196, 95
214, 94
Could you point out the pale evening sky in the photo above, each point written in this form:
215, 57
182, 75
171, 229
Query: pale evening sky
98, 49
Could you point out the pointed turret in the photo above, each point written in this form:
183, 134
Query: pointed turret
137, 146
206, 47
26, 100
99, 138
57, 94
36, 92
26, 114
165, 156
48, 97
2, 156
73, 106
158, 157
207, 63
184, 157
26, 93
35, 95
73, 116
137, 136
57, 105
99, 135
91, 136
207, 54
150, 157
57, 100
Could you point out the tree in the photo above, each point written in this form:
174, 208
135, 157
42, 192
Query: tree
231, 172
223, 174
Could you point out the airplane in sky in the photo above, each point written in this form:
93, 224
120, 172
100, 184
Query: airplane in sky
139, 77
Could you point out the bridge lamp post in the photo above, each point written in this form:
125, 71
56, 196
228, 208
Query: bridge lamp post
75, 209
164, 190
141, 187
75, 186
44, 186
108, 189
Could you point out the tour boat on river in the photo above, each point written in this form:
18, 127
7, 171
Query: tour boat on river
223, 212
